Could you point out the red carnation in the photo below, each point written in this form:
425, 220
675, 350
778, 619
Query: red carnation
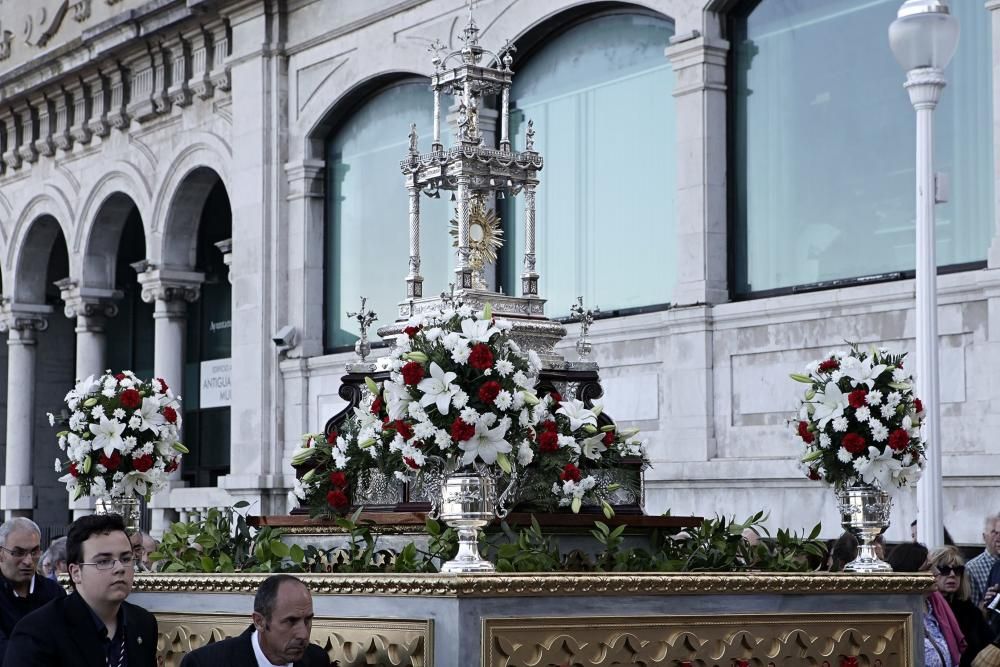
608, 439
130, 399
918, 407
408, 460
460, 431
376, 405
163, 385
548, 441
570, 473
404, 430
556, 396
857, 398
112, 462
172, 466
489, 391
119, 376
899, 439
331, 437
338, 479
805, 433
143, 463
829, 365
549, 425
73, 471
411, 331
413, 372
481, 357
813, 474
337, 499
170, 414
853, 443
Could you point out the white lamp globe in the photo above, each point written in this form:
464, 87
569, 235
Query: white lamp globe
924, 34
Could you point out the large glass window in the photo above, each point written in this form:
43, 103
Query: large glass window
823, 145
367, 241
601, 98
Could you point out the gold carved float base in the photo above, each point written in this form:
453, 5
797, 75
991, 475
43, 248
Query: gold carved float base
761, 640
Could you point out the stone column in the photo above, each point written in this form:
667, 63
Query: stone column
700, 96
305, 255
170, 291
993, 6
22, 323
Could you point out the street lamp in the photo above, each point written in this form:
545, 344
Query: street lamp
923, 38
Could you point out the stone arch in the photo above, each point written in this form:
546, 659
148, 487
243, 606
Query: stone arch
100, 252
35, 231
123, 179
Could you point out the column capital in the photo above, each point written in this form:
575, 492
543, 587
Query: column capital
305, 178
23, 317
992, 5
87, 301
699, 63
164, 284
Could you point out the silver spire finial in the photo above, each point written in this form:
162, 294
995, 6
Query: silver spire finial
586, 318
365, 319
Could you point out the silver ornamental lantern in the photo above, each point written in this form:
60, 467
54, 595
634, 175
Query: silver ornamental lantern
864, 511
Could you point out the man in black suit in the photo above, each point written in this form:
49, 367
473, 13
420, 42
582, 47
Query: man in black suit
279, 636
21, 590
95, 626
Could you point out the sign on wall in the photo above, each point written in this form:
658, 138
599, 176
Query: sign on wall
216, 391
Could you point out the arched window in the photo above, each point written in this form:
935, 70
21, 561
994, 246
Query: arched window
367, 242
823, 146
600, 94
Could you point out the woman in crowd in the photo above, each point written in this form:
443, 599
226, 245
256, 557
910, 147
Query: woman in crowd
952, 582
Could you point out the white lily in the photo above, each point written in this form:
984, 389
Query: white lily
397, 400
593, 446
577, 414
879, 468
486, 443
478, 331
108, 435
862, 372
438, 388
830, 404
151, 417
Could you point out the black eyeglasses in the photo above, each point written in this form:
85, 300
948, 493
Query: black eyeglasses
18, 553
945, 570
109, 563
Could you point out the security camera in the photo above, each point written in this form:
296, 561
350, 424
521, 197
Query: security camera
285, 338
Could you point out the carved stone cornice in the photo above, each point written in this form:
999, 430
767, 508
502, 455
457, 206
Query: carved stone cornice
62, 109
78, 107
87, 301
142, 77
199, 45
26, 146
24, 318
180, 70
44, 145
11, 158
168, 284
533, 585
219, 74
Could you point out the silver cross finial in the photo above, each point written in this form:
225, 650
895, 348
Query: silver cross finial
586, 319
365, 319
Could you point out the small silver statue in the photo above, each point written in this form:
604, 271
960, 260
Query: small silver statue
365, 318
586, 318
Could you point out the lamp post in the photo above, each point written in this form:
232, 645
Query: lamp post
923, 38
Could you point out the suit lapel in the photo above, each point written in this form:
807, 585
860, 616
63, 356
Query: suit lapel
133, 635
84, 631
245, 648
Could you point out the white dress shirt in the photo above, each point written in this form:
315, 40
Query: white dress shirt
262, 660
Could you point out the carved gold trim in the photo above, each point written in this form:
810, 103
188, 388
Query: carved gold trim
532, 585
878, 640
351, 641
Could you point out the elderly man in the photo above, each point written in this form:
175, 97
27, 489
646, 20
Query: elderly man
21, 591
282, 624
980, 566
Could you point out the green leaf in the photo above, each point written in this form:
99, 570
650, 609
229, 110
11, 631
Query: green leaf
241, 504
297, 555
279, 549
207, 564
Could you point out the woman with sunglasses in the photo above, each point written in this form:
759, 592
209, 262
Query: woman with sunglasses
953, 583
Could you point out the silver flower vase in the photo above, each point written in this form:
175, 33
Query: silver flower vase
467, 503
126, 505
864, 511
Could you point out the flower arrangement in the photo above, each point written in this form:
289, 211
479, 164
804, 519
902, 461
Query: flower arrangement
461, 394
859, 421
121, 436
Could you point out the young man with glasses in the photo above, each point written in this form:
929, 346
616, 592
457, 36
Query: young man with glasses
21, 590
95, 626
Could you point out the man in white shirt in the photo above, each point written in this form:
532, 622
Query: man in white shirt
278, 637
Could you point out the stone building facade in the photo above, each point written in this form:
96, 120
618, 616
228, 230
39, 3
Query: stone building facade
183, 179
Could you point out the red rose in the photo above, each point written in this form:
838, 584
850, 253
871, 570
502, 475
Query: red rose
130, 399
337, 499
413, 372
918, 407
404, 430
813, 474
170, 414
556, 396
408, 460
489, 391
460, 431
805, 433
119, 376
111, 463
143, 463
548, 441
163, 385
73, 471
853, 443
570, 473
172, 466
857, 398
411, 331
331, 437
899, 439
376, 406
481, 357
608, 439
338, 479
829, 365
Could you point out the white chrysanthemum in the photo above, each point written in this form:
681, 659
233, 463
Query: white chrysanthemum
433, 333
517, 402
442, 438
77, 421
524, 418
469, 415
893, 399
464, 311
824, 441
119, 414
534, 361
844, 456
887, 411
862, 414
525, 455
423, 430
58, 465
460, 354
503, 400
874, 397
97, 412
879, 431
109, 392
840, 424
522, 380
899, 375
460, 399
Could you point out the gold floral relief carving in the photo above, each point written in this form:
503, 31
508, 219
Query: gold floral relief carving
751, 640
352, 642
